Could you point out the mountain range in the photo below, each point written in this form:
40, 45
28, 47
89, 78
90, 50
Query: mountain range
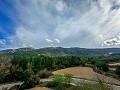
60, 51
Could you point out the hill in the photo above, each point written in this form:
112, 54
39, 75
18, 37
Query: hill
60, 51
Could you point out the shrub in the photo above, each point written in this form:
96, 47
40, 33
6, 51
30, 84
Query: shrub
44, 73
30, 80
102, 66
118, 70
52, 84
60, 81
68, 78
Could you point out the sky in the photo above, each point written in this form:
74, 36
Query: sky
59, 23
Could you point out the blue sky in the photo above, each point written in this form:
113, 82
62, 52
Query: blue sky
66, 23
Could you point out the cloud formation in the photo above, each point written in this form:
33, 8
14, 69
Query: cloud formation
2, 42
67, 23
53, 42
114, 41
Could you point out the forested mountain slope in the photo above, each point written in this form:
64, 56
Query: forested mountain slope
61, 51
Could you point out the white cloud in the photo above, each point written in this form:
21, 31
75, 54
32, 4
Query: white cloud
24, 45
85, 29
113, 42
49, 41
61, 6
2, 41
42, 24
53, 42
101, 36
57, 40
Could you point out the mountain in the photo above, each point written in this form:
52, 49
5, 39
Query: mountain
60, 51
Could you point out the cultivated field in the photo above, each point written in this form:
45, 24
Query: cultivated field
86, 73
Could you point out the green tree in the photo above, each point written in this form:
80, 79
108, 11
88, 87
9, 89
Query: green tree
30, 80
118, 70
102, 66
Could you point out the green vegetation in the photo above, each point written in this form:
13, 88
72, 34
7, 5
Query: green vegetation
60, 51
30, 80
30, 68
102, 66
64, 82
118, 70
61, 82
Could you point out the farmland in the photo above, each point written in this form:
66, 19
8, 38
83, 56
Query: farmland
86, 73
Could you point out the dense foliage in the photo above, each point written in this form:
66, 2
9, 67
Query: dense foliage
48, 62
118, 70
30, 68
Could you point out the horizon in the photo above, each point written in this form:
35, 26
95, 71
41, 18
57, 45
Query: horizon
59, 23
60, 47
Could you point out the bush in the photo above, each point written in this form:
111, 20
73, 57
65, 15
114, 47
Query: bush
52, 84
60, 81
44, 73
118, 70
68, 78
102, 66
61, 66
30, 80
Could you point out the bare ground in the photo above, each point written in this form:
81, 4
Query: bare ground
114, 64
39, 88
87, 73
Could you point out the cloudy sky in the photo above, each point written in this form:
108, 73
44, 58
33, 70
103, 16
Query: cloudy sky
65, 23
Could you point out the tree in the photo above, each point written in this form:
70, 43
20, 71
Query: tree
30, 80
102, 66
118, 70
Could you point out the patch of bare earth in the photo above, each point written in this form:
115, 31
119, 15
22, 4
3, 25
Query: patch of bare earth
112, 68
114, 64
86, 73
39, 88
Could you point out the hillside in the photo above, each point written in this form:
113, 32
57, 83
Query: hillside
61, 51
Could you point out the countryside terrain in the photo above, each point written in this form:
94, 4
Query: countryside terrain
49, 68
59, 44
61, 51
